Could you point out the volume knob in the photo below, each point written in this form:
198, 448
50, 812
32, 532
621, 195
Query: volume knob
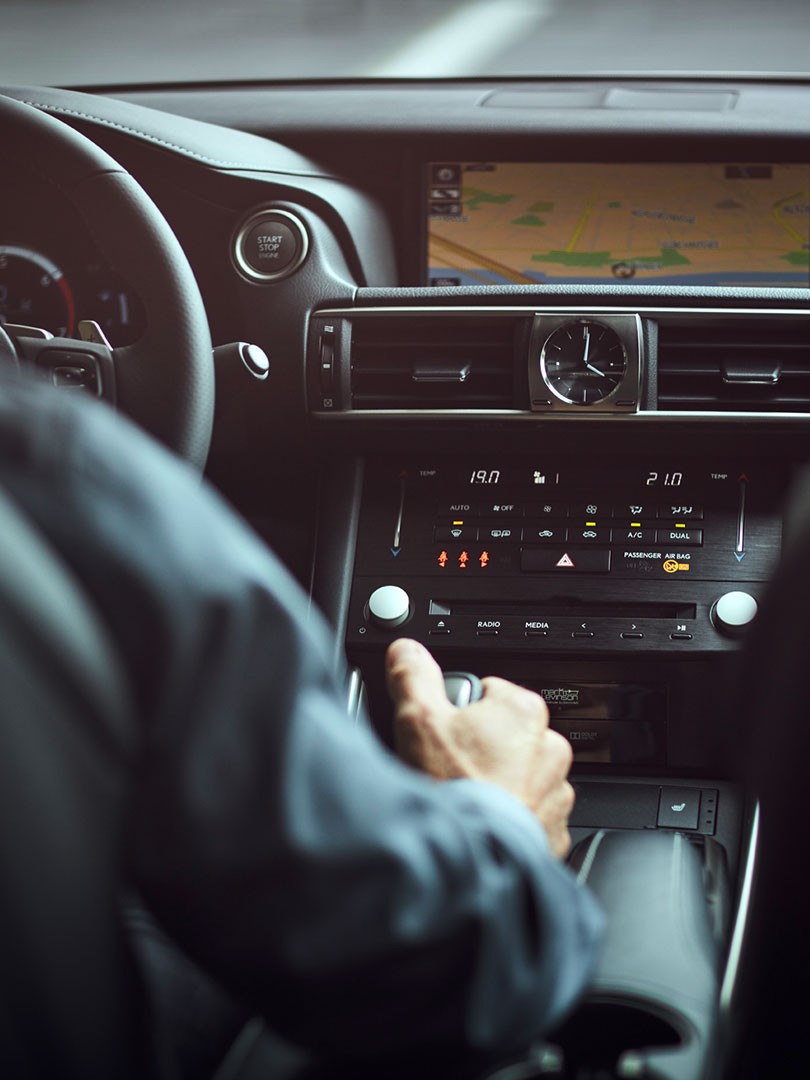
732, 613
388, 607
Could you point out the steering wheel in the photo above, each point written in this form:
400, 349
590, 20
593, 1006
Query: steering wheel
165, 380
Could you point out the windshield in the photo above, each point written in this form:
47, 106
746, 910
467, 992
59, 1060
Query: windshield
114, 42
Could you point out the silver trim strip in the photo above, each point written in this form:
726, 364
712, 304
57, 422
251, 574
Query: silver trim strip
517, 415
563, 309
741, 921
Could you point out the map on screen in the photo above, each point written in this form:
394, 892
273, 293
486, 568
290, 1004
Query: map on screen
662, 223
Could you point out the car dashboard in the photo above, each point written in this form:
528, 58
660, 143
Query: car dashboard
539, 380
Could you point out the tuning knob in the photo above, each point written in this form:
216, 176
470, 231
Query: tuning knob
388, 607
733, 612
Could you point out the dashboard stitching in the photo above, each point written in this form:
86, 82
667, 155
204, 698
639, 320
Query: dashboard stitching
61, 110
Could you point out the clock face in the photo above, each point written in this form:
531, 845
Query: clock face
583, 362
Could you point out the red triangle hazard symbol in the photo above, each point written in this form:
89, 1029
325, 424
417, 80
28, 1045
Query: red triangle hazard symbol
566, 560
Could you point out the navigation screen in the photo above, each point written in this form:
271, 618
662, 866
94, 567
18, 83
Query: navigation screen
662, 224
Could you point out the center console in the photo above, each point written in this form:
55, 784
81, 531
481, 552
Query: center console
620, 589
587, 502
605, 585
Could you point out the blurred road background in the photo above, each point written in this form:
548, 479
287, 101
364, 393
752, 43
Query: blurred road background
95, 42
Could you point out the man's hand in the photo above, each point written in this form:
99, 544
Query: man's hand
503, 738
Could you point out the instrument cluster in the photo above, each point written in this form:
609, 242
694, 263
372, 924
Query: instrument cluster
51, 274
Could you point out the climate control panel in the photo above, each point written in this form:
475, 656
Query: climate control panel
574, 558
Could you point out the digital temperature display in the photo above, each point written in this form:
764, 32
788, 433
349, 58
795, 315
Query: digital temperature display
665, 479
485, 476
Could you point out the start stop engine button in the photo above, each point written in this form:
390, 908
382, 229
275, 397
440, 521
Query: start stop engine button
270, 245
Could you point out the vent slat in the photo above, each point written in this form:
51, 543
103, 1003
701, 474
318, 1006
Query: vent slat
431, 363
740, 366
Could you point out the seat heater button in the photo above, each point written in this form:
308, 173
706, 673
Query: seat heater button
679, 808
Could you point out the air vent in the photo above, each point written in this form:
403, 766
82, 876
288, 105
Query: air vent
433, 363
725, 365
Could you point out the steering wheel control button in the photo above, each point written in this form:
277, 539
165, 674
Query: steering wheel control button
388, 607
70, 369
733, 612
270, 245
679, 808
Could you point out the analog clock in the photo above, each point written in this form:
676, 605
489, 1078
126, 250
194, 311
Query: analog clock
583, 362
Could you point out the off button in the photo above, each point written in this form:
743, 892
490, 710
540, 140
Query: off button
270, 245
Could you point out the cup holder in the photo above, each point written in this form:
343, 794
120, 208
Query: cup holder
595, 1039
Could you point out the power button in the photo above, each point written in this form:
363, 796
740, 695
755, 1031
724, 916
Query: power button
269, 245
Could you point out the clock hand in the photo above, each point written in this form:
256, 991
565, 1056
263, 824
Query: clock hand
587, 335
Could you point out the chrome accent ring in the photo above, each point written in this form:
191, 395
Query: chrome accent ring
269, 214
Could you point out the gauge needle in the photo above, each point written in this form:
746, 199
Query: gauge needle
587, 335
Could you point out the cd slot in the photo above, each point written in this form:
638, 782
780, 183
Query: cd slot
571, 606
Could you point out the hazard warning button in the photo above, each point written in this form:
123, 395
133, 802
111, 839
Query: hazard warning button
561, 561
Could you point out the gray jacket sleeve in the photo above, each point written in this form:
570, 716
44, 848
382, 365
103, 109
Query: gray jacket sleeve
358, 904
